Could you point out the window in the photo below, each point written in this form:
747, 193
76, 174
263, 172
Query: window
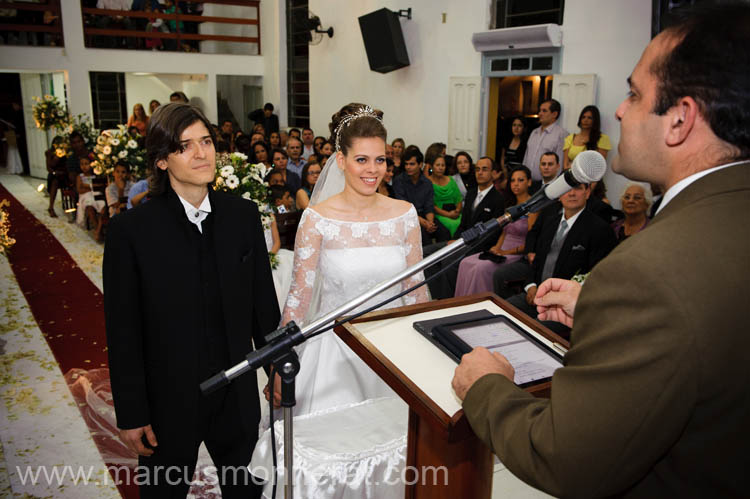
298, 63
522, 62
513, 13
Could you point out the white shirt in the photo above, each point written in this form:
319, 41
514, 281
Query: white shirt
197, 215
480, 196
682, 184
307, 151
570, 221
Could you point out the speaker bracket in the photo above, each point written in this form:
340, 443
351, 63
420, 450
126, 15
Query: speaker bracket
405, 13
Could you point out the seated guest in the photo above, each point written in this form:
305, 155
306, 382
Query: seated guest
326, 149
260, 153
138, 194
590, 137
483, 202
275, 177
274, 140
89, 208
310, 174
398, 149
257, 137
464, 177
294, 132
385, 188
447, 197
118, 190
635, 202
294, 155
568, 244
78, 151
139, 119
549, 168
435, 150
291, 179
242, 145
317, 142
415, 188
281, 199
283, 137
475, 271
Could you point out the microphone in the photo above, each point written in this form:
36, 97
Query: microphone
587, 167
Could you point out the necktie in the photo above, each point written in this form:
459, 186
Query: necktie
554, 251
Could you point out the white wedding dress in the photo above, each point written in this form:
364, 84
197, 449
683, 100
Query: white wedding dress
334, 262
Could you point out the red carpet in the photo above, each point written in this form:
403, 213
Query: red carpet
66, 305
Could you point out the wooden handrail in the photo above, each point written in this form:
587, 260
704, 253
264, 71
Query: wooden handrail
172, 36
159, 15
31, 27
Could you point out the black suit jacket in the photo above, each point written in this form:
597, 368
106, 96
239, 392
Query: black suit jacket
587, 242
492, 206
151, 281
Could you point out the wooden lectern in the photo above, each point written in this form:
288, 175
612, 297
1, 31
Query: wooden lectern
439, 434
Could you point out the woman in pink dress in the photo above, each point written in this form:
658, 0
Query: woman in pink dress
475, 274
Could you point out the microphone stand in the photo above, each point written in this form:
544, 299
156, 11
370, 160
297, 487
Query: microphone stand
279, 349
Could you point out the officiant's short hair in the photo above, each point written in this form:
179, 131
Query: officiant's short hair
163, 138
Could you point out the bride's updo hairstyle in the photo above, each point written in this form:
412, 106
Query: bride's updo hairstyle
355, 121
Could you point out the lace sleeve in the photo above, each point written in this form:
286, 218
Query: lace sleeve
413, 247
305, 268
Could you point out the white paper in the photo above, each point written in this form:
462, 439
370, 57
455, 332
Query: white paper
529, 360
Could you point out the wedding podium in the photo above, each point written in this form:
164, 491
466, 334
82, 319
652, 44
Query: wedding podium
439, 435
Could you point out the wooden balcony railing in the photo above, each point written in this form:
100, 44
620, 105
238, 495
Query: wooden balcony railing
33, 23
123, 28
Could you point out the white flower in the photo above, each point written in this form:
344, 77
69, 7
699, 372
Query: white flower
115, 142
239, 155
98, 170
305, 252
100, 140
59, 113
132, 144
122, 154
107, 150
219, 181
246, 195
69, 129
100, 155
246, 179
233, 181
227, 171
310, 277
48, 98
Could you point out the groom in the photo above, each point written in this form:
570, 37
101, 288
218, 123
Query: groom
187, 291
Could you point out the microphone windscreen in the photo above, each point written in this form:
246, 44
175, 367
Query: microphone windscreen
588, 166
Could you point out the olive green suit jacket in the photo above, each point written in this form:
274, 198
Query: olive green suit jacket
654, 398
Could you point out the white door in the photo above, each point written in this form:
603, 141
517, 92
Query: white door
464, 114
36, 140
574, 92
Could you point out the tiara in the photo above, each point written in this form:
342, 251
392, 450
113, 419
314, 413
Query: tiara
362, 112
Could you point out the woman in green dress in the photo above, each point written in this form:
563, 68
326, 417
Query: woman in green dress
447, 196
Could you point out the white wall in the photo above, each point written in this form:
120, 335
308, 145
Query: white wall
234, 11
606, 38
414, 98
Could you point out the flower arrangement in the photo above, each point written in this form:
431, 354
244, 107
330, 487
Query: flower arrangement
117, 146
5, 240
236, 176
580, 278
49, 113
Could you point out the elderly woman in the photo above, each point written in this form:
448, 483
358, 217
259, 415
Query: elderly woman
635, 202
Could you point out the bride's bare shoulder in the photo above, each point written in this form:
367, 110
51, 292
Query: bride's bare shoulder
395, 207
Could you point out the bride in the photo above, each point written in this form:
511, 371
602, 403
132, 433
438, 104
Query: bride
350, 239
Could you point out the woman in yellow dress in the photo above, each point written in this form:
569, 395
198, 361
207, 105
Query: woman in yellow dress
589, 138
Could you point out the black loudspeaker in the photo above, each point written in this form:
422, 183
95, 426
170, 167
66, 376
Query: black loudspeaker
384, 41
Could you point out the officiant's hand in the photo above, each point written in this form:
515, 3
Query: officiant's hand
476, 364
276, 391
556, 300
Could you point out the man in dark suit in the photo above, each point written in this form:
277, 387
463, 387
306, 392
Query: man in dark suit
653, 398
266, 118
567, 244
482, 203
187, 291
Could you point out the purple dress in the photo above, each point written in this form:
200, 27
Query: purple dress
475, 275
